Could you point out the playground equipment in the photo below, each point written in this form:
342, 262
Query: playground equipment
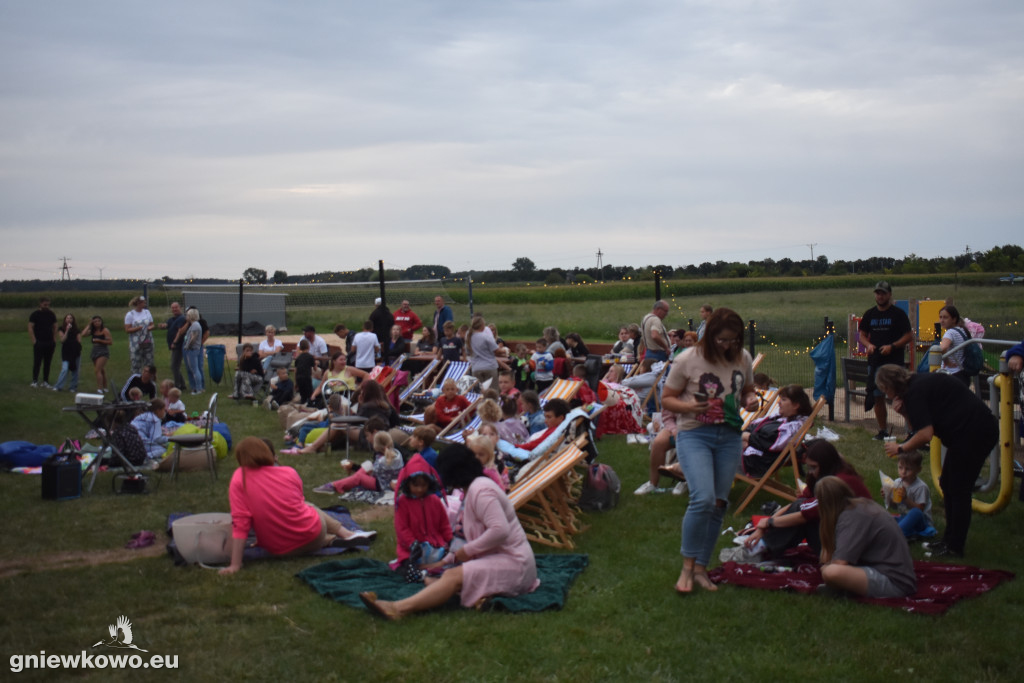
1001, 403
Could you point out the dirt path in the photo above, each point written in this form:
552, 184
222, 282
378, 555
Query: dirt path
76, 558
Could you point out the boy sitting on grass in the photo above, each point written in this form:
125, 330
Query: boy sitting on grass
911, 497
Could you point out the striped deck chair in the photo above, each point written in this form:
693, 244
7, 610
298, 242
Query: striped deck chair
418, 381
654, 394
769, 406
453, 370
565, 389
770, 482
543, 501
456, 436
461, 418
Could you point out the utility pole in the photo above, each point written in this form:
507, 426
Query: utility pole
811, 247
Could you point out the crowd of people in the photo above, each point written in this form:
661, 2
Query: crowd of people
457, 531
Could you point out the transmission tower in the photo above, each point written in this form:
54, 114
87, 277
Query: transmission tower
600, 263
65, 273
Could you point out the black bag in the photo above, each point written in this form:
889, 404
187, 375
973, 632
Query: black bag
600, 488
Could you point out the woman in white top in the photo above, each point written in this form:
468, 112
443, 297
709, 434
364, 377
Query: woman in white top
269, 346
138, 323
955, 334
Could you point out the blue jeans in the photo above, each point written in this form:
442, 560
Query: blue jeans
194, 363
655, 354
64, 373
709, 456
913, 523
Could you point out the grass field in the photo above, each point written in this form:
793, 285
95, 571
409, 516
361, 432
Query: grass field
63, 577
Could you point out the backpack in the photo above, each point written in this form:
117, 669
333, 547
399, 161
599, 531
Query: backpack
974, 361
600, 488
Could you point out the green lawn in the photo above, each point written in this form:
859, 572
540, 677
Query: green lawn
622, 620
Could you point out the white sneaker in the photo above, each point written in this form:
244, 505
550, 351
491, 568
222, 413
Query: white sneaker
34, 385
45, 385
645, 488
680, 489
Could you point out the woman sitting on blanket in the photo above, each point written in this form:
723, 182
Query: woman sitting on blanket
791, 524
270, 500
863, 550
496, 558
768, 436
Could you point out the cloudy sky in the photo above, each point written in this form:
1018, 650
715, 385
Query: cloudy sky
201, 138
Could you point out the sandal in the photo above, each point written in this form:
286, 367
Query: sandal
369, 599
671, 472
292, 451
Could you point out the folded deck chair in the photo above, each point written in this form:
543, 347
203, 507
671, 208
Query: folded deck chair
544, 503
771, 482
653, 400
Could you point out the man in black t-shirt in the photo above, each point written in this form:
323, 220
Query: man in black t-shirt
173, 327
42, 330
885, 331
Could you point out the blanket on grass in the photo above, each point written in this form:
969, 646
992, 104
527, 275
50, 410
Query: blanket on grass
939, 585
344, 580
254, 552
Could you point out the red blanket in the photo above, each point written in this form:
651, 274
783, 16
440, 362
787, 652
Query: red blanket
939, 585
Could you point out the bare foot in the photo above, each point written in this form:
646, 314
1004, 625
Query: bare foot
381, 608
702, 579
685, 583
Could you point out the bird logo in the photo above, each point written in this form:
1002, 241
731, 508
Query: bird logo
120, 635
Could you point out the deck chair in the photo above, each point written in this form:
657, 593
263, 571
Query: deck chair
769, 406
459, 419
654, 395
418, 381
771, 482
565, 389
543, 501
456, 436
453, 370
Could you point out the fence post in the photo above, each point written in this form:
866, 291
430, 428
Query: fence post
752, 326
830, 328
689, 323
657, 285
241, 299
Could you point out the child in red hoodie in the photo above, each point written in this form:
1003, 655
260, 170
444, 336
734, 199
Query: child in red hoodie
422, 528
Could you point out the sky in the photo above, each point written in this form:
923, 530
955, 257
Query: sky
197, 139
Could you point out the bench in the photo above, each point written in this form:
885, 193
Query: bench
855, 379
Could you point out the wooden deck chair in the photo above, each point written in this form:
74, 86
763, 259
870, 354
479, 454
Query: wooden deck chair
565, 389
453, 370
770, 482
543, 501
418, 381
456, 436
768, 406
757, 361
653, 394
462, 417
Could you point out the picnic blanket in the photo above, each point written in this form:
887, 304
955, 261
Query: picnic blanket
939, 585
344, 580
254, 552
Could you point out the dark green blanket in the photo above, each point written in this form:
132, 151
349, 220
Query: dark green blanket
344, 580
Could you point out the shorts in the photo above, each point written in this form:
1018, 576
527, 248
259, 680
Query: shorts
881, 586
99, 351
